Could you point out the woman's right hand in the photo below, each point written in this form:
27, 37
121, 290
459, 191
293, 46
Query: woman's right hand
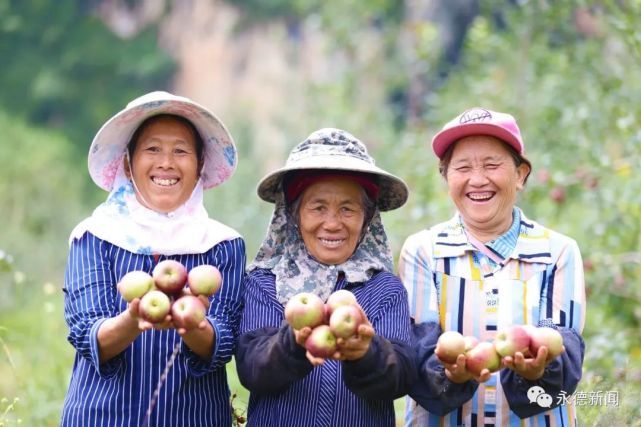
144, 325
301, 336
458, 373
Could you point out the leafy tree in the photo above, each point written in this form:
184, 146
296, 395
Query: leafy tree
63, 68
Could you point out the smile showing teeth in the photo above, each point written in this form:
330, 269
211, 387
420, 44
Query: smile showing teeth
480, 197
332, 243
165, 182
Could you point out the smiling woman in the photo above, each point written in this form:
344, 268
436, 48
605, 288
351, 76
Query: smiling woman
326, 235
484, 270
165, 160
155, 158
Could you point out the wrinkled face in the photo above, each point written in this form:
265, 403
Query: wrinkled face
164, 165
483, 182
331, 217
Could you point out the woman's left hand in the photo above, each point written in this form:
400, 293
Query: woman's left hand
355, 347
203, 324
529, 368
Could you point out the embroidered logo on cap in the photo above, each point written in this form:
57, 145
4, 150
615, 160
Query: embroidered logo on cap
475, 115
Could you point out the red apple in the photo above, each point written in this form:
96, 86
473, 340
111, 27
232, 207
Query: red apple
548, 337
321, 342
135, 284
154, 306
482, 356
304, 309
345, 320
204, 280
340, 298
449, 345
170, 276
470, 342
557, 194
511, 340
187, 312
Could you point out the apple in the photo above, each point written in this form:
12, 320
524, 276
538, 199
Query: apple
511, 340
170, 276
304, 309
321, 342
470, 342
339, 298
557, 194
548, 337
204, 280
482, 356
135, 284
187, 312
449, 345
345, 320
154, 306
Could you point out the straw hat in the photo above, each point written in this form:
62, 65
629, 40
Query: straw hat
334, 149
110, 143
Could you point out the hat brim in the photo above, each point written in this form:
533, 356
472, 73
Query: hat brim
393, 191
110, 143
442, 140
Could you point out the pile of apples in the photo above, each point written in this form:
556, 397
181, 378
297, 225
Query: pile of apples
163, 292
526, 339
339, 317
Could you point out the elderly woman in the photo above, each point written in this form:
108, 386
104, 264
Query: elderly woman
487, 268
326, 234
155, 158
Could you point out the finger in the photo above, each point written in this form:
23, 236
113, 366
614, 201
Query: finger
485, 375
366, 330
541, 356
519, 361
316, 361
204, 300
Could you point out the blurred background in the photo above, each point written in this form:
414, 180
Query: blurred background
391, 72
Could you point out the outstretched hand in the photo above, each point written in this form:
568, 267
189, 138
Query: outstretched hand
167, 323
352, 348
355, 347
530, 368
458, 373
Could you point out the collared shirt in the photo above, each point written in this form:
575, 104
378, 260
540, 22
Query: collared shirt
120, 391
504, 245
286, 390
453, 284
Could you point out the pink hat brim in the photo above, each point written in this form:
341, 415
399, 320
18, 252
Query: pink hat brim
442, 140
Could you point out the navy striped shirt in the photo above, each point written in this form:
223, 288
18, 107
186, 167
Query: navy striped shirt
119, 391
286, 390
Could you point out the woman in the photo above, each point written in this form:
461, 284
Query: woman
326, 234
487, 268
155, 158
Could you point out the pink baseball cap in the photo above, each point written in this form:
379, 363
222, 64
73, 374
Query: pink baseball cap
479, 121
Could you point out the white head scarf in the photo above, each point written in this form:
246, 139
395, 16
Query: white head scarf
125, 222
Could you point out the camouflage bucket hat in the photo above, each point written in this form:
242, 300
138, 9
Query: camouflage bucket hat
334, 149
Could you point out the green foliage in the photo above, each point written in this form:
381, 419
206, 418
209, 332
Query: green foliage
575, 96
65, 69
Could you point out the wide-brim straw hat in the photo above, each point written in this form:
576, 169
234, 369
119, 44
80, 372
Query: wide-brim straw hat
334, 149
110, 143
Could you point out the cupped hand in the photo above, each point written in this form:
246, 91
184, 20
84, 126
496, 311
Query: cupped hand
301, 336
457, 372
355, 347
144, 325
531, 368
